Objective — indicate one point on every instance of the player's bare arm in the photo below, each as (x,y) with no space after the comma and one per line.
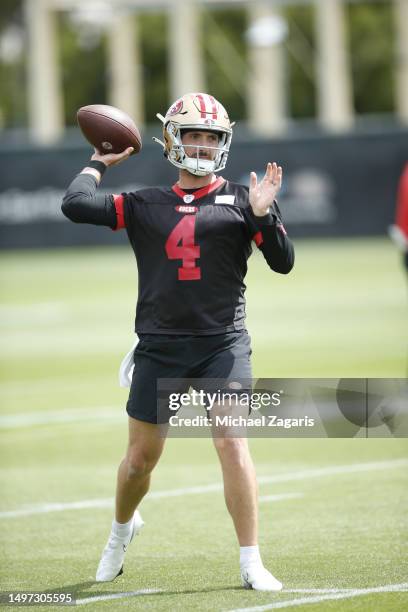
(262,194)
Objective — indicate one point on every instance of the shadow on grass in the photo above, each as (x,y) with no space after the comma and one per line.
(83,590)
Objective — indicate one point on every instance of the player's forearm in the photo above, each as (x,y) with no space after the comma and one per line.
(277,248)
(273,241)
(82,203)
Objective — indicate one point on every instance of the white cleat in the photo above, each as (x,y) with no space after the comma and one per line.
(111,563)
(258,578)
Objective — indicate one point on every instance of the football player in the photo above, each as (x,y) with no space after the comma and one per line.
(192,242)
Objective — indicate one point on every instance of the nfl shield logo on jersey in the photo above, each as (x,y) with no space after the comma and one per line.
(189,197)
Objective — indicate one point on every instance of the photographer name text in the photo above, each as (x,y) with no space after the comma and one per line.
(240,421)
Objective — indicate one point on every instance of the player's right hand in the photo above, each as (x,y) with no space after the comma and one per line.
(111,159)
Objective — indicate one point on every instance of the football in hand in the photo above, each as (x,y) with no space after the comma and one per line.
(108,129)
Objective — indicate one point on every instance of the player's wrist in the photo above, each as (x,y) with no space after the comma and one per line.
(96,164)
(96,168)
(264,219)
(261,213)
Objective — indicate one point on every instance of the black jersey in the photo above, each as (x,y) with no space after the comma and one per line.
(191,251)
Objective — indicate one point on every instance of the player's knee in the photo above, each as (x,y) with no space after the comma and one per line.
(232,449)
(139,464)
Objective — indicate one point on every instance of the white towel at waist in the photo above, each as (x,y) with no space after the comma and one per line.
(127,366)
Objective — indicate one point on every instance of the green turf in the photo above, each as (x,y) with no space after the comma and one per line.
(66,322)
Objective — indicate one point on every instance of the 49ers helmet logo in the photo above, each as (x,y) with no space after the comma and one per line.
(176,108)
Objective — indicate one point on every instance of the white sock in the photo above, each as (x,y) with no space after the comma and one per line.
(122,530)
(249,555)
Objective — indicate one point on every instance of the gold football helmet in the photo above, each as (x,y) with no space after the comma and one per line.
(196,111)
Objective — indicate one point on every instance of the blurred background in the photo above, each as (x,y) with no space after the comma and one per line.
(319,85)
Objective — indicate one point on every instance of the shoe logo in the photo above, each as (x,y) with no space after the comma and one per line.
(124,547)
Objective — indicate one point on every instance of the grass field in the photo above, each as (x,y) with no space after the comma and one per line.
(333,512)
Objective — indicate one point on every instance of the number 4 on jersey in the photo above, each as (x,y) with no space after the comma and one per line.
(180,245)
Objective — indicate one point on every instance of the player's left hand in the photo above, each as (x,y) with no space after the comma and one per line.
(262,194)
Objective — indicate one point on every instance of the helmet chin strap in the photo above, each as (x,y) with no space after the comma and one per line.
(199,167)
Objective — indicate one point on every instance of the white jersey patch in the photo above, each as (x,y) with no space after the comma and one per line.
(225,199)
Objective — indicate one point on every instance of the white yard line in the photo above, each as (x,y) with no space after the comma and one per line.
(320,595)
(285,477)
(279,497)
(58,507)
(109,501)
(315,591)
(86,600)
(20,314)
(345,594)
(99,414)
(334,469)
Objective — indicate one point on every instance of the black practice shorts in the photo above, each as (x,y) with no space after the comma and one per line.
(206,359)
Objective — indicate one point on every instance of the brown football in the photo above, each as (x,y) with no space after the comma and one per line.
(108,129)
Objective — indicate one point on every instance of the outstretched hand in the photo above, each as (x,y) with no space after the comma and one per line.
(111,159)
(262,194)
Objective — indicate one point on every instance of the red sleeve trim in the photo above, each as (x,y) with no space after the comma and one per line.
(120,214)
(257,238)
